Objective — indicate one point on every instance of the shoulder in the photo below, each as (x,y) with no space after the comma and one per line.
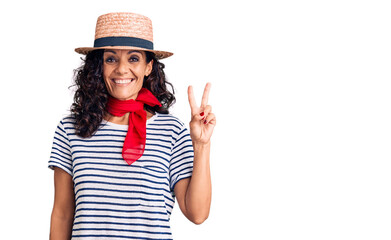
(169,122)
(66,123)
(169,119)
(68,119)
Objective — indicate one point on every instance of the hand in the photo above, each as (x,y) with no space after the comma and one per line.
(203,120)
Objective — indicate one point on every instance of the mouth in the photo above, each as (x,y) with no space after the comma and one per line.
(123,81)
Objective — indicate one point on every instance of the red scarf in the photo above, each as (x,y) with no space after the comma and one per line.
(134,144)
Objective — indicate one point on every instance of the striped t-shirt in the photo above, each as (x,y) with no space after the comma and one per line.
(115,200)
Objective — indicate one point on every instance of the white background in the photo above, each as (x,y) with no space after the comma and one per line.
(301,90)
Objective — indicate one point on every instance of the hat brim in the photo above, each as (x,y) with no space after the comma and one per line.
(158,54)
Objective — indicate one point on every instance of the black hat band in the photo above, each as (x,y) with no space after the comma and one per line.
(123,41)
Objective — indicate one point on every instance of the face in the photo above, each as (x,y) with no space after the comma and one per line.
(124,71)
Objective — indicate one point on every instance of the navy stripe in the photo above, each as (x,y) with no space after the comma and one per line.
(113,146)
(93,157)
(155,150)
(60,160)
(95,140)
(116,236)
(120,230)
(183,153)
(117,191)
(119,211)
(98,152)
(155,169)
(163,169)
(116,177)
(162,129)
(120,223)
(160,140)
(97,146)
(97,196)
(181,165)
(99,163)
(121,159)
(60,146)
(106,170)
(113,204)
(62,141)
(166,125)
(170,120)
(149,161)
(170,206)
(121,217)
(62,130)
(184,145)
(159,135)
(61,153)
(70,117)
(121,184)
(60,165)
(105,130)
(156,156)
(102,135)
(182,137)
(55,157)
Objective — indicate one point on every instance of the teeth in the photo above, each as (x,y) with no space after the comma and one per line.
(123,81)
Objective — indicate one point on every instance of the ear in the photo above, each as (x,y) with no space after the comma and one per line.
(149,68)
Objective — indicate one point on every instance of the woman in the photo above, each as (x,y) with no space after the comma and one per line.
(120,159)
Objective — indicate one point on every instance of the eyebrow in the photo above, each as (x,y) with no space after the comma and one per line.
(131,51)
(108,50)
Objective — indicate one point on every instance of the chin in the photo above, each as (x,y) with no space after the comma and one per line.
(124,96)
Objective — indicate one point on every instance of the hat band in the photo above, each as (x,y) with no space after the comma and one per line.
(123,41)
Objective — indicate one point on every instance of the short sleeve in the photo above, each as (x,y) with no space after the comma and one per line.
(61,151)
(181,164)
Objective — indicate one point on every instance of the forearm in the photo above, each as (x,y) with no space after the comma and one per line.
(60,227)
(199,192)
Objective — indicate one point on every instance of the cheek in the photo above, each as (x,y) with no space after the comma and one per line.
(106,73)
(137,71)
(105,70)
(107,81)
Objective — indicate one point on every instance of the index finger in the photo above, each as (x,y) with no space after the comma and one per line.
(192,100)
(205,96)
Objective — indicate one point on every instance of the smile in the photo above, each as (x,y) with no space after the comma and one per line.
(123,80)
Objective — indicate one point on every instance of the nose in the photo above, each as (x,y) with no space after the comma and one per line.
(123,67)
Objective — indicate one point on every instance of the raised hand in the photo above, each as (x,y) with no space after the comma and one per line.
(203,120)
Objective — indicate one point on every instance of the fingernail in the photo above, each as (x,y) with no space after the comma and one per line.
(202,114)
(205,122)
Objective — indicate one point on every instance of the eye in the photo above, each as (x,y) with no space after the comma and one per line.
(110,59)
(134,59)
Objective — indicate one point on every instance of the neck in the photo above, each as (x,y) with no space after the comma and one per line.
(123,120)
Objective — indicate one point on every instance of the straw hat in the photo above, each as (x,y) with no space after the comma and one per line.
(124,31)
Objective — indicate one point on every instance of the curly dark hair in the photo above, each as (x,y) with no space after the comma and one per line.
(91,94)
